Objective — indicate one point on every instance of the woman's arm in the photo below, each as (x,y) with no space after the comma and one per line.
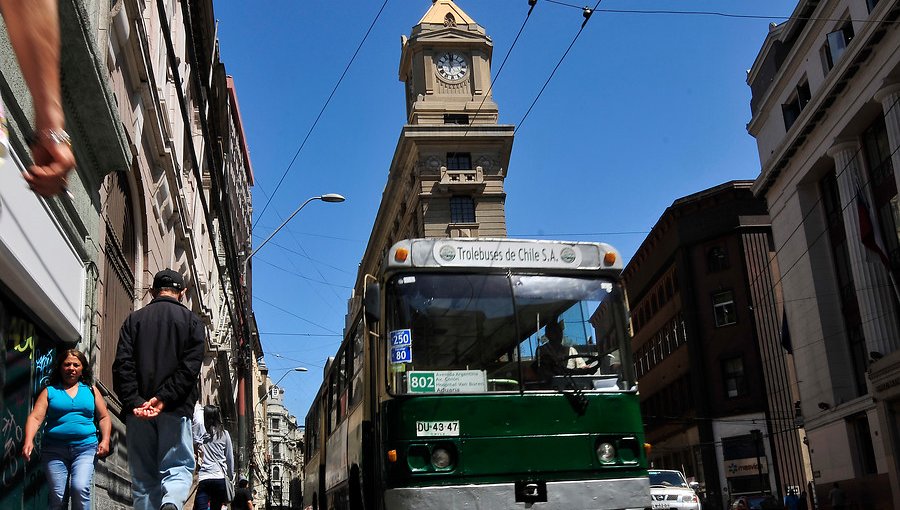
(105,423)
(34,422)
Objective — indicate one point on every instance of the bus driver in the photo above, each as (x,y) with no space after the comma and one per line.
(555,358)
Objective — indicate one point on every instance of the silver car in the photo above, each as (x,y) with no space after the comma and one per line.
(669,490)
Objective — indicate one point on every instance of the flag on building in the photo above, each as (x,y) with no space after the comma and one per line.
(785,332)
(868,233)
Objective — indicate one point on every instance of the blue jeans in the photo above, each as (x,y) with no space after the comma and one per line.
(161,460)
(210,494)
(72,464)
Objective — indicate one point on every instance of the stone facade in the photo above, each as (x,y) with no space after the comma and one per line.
(446,177)
(162,180)
(826,119)
(717,386)
(285,460)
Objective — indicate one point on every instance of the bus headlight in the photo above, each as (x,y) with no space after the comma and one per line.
(440,458)
(606,452)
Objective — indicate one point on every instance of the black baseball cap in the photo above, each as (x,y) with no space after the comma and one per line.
(168,278)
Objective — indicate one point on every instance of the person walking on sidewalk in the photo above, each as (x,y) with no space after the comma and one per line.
(216,462)
(155,374)
(69,406)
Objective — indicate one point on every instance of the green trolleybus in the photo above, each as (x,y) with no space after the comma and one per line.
(482,374)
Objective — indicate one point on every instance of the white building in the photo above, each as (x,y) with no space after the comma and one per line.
(826,116)
(285,466)
(162,180)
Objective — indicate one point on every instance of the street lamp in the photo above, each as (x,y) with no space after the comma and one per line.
(328,197)
(295,369)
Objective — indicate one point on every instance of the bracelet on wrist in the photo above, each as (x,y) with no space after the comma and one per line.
(53,136)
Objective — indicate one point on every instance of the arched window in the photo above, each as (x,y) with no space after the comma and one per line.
(120,250)
(449,20)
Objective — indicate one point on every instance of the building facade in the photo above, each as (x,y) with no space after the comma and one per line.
(826,119)
(717,387)
(285,460)
(446,176)
(162,181)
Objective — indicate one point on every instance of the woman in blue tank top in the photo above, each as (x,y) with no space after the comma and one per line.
(69,446)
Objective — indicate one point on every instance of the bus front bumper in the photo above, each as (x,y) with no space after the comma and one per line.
(615,494)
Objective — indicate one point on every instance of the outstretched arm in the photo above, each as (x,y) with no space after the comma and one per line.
(34,422)
(33,27)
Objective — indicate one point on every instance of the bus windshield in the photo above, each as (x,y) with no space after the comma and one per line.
(479,333)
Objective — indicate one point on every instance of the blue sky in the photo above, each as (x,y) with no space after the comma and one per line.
(646,108)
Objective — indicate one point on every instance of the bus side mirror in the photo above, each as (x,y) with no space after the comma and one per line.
(372,303)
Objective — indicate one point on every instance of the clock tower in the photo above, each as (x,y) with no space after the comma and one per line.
(447,174)
(446,66)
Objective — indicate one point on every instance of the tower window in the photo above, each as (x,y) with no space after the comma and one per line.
(459,161)
(462,209)
(456,118)
(449,20)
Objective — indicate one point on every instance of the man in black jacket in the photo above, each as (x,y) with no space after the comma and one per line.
(155,374)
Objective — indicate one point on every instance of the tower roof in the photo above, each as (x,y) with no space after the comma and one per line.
(439,11)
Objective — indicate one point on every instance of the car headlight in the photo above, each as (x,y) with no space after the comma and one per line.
(689,498)
(606,452)
(440,458)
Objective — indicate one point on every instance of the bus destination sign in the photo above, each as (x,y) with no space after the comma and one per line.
(447,381)
(462,253)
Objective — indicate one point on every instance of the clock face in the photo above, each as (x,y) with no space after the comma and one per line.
(452,66)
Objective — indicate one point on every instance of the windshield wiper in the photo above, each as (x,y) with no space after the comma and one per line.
(576,397)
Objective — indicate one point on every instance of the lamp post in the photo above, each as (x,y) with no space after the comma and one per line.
(295,369)
(244,392)
(328,197)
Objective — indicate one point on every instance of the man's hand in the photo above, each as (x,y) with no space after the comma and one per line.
(53,160)
(149,409)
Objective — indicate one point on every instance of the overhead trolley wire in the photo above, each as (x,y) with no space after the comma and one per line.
(304,319)
(531,4)
(586,12)
(322,111)
(720,14)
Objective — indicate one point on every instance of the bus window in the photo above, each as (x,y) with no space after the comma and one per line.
(333,397)
(356,381)
(476,333)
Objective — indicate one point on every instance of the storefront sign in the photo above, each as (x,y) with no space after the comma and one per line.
(745,467)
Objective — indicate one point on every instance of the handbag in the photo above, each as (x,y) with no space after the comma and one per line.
(229,484)
(229,489)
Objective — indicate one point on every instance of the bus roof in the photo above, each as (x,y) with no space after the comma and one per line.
(486,253)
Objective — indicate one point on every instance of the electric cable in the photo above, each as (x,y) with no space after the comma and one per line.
(304,319)
(587,16)
(532,4)
(322,110)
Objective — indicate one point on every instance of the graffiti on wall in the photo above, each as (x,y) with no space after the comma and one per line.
(28,362)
